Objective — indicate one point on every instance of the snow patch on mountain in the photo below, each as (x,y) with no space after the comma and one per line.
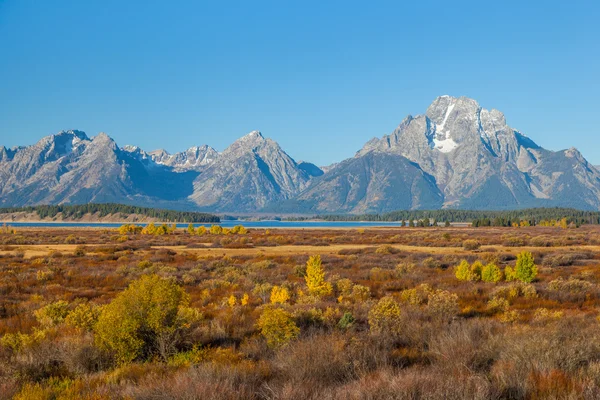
(442,140)
(445,145)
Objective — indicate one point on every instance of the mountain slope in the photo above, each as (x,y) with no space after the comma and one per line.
(476,161)
(250,174)
(372,183)
(456,155)
(71,168)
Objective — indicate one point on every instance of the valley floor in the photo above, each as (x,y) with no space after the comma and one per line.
(383,315)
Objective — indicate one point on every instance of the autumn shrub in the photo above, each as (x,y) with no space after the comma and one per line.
(543,314)
(509,316)
(385,249)
(541,241)
(263,291)
(442,304)
(279,295)
(71,239)
(471,244)
(44,275)
(360,293)
(564,259)
(380,274)
(497,304)
(277,326)
(571,285)
(514,290)
(572,289)
(18,341)
(58,356)
(80,251)
(514,241)
(416,296)
(143,320)
(344,286)
(431,262)
(405,268)
(53,313)
(384,317)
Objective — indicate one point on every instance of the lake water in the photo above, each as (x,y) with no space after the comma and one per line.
(228,224)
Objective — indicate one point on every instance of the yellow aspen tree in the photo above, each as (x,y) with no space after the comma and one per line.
(315,278)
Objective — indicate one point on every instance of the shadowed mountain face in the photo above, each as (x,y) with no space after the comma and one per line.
(456,155)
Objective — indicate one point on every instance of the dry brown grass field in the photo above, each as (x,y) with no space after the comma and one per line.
(98,314)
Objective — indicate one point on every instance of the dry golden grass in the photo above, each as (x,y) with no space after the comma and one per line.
(42,250)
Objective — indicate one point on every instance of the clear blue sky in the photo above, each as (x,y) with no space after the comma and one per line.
(320,77)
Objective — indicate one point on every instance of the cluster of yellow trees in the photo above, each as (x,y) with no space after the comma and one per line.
(216,230)
(524,271)
(561,223)
(149,229)
(276,324)
(164,229)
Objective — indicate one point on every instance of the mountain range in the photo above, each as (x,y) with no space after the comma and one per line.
(456,155)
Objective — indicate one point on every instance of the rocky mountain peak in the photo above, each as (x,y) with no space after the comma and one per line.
(254,134)
(102,139)
(75,133)
(159,154)
(247,142)
(195,158)
(3,153)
